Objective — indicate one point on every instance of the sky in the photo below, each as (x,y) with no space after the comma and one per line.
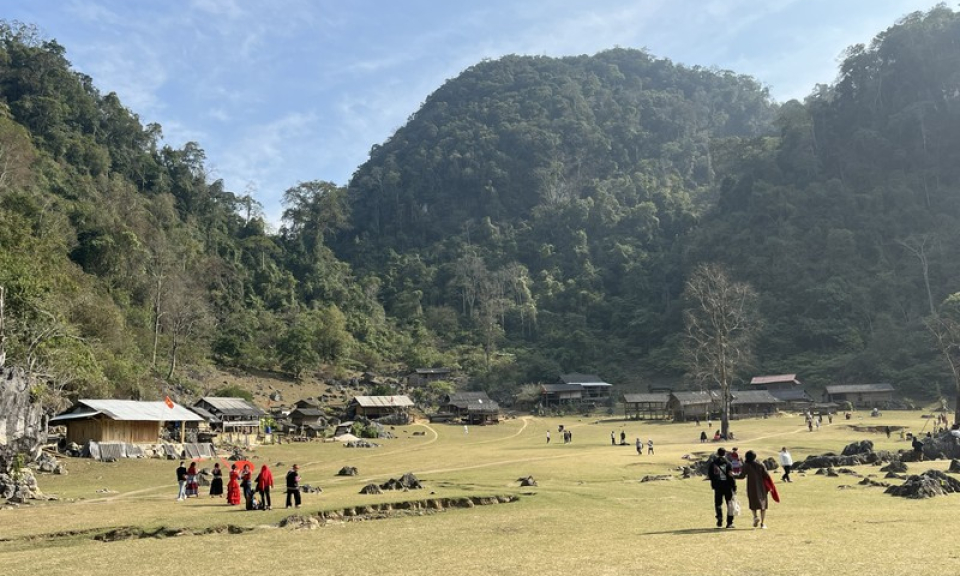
(286,91)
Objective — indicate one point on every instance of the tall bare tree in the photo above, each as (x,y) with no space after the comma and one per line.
(722,322)
(945,328)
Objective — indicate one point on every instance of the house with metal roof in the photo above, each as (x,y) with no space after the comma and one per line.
(693,404)
(128,421)
(594,388)
(860,395)
(471,407)
(557,394)
(231,415)
(643,406)
(375,407)
(753,402)
(796,399)
(775,382)
(421,376)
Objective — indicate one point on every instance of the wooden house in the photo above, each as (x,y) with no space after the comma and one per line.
(421,376)
(753,403)
(558,394)
(646,406)
(594,389)
(471,407)
(374,407)
(126,421)
(860,395)
(231,416)
(308,420)
(777,382)
(689,405)
(797,399)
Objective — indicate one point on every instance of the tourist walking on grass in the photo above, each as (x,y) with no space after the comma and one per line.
(723,484)
(181,482)
(246,484)
(703,436)
(293,486)
(613,438)
(548,436)
(233,486)
(650,447)
(736,464)
(193,487)
(758,484)
(639,447)
(264,484)
(216,485)
(786,460)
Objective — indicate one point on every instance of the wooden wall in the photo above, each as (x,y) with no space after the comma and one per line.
(104,430)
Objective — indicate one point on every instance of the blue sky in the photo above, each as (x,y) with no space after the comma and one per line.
(292,90)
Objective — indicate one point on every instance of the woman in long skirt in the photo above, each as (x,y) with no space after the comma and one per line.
(757,487)
(233,486)
(193,487)
(216,485)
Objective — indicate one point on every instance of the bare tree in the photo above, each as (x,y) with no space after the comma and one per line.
(3,337)
(187,316)
(722,322)
(919,247)
(945,328)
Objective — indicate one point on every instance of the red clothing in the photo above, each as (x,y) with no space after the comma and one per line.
(264,479)
(233,488)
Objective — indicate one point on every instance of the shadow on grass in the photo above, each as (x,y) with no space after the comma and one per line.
(685,531)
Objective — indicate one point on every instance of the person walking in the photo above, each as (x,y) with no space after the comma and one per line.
(723,483)
(639,447)
(293,486)
(548,436)
(650,447)
(703,436)
(757,480)
(264,484)
(182,482)
(786,460)
(216,485)
(736,464)
(613,438)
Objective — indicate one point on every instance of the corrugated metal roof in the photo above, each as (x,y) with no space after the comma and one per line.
(794,395)
(204,414)
(693,398)
(651,398)
(129,410)
(433,370)
(583,379)
(473,402)
(558,388)
(771,379)
(858,388)
(383,401)
(753,397)
(229,406)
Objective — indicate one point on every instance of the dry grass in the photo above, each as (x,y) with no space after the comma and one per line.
(589,515)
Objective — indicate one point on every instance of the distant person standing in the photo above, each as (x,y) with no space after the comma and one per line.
(548,436)
(917,448)
(216,485)
(723,483)
(182,482)
(233,486)
(786,460)
(703,436)
(623,438)
(293,486)
(465,430)
(613,438)
(639,447)
(887,430)
(650,447)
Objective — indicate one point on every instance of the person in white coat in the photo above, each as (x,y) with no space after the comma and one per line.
(786,460)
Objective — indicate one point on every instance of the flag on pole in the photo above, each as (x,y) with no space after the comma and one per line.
(168,402)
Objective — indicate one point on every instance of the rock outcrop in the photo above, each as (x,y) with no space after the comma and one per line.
(21,419)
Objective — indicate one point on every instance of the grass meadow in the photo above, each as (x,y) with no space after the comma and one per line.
(589,514)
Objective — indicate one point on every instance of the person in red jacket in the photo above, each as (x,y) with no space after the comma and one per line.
(264,484)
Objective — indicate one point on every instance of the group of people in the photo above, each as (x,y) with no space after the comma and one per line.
(725,469)
(640,446)
(241,485)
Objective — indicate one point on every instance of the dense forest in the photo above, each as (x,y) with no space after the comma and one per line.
(535,216)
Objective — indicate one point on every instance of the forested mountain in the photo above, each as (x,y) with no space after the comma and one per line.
(535,216)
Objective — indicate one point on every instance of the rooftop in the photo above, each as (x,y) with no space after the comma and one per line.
(129,410)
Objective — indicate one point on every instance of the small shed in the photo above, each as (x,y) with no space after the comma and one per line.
(374,407)
(128,421)
(471,407)
(421,376)
(695,404)
(753,402)
(594,388)
(775,382)
(860,395)
(557,394)
(646,406)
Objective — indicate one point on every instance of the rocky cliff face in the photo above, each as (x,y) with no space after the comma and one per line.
(21,419)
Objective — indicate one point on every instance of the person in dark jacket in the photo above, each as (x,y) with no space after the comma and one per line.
(757,477)
(723,483)
(293,486)
(182,482)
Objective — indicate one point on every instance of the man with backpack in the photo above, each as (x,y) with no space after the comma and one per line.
(724,485)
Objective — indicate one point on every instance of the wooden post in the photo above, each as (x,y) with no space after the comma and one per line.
(183,430)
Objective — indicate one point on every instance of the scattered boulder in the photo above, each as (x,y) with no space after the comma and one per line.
(406,482)
(926,485)
(869,482)
(848,472)
(771,464)
(656,477)
(371,489)
(300,522)
(347,471)
(954,467)
(861,447)
(527,481)
(308,489)
(895,466)
(895,476)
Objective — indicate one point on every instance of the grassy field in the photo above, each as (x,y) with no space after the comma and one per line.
(589,514)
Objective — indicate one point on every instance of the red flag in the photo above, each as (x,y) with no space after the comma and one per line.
(168,402)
